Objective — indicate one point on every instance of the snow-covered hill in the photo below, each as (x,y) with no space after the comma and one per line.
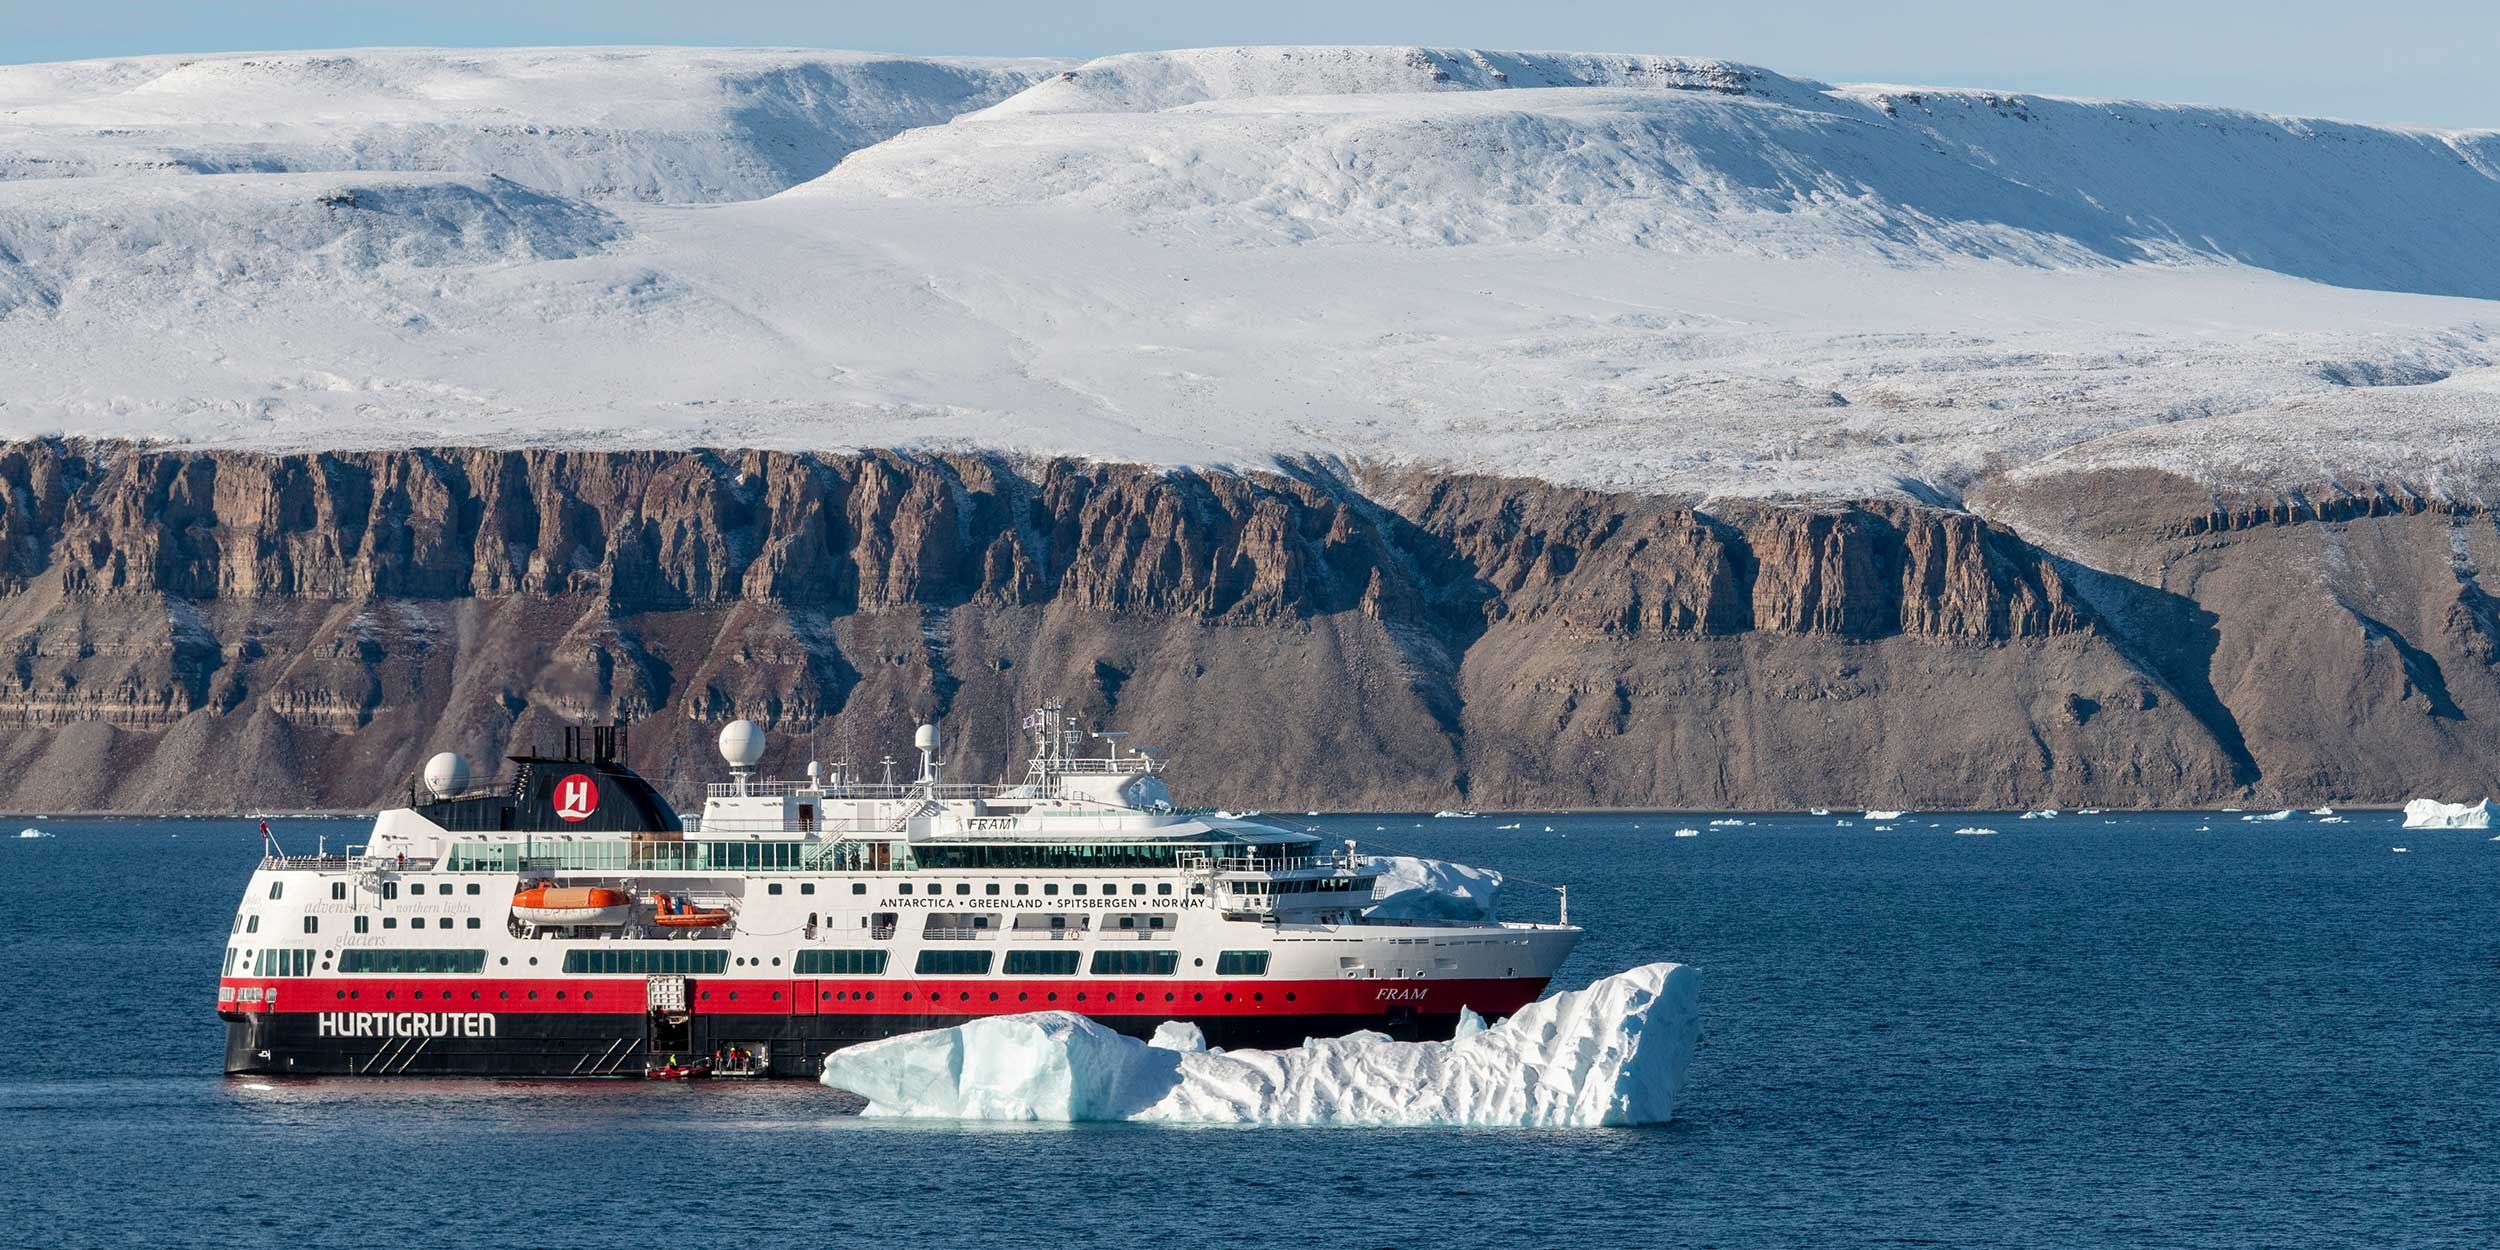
(1649,272)
(667,124)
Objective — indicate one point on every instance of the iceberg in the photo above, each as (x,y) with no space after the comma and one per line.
(1975,831)
(2321,811)
(32,833)
(2433,814)
(2045,813)
(1614,1053)
(1412,888)
(2285,814)
(1876,815)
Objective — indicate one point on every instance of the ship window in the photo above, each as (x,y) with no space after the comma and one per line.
(312,924)
(1163,887)
(416,887)
(364,924)
(473,922)
(646,961)
(774,888)
(1135,963)
(1041,963)
(859,887)
(963,887)
(238,923)
(338,889)
(953,963)
(807,887)
(390,889)
(1078,888)
(277,888)
(251,924)
(904,888)
(841,963)
(1052,887)
(473,887)
(1241,964)
(390,922)
(1138,888)
(412,961)
(1023,887)
(990,888)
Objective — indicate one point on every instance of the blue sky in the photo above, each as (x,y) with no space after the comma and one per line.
(2409,61)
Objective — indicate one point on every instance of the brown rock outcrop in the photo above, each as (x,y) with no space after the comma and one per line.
(209,630)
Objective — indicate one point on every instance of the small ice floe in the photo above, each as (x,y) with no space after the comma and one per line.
(1883,828)
(1884,815)
(32,832)
(2401,850)
(1310,813)
(2331,820)
(1975,831)
(1513,825)
(1450,814)
(1549,828)
(1614,1053)
(1688,833)
(1818,811)
(2045,813)
(2087,811)
(2433,814)
(1728,824)
(2321,811)
(1844,824)
(2285,814)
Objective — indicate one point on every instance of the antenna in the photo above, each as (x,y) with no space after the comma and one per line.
(889,769)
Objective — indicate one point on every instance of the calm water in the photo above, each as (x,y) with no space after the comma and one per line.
(2097,1031)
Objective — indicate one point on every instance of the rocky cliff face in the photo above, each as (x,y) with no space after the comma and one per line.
(220,631)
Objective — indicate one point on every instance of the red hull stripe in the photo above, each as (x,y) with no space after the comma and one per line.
(887,996)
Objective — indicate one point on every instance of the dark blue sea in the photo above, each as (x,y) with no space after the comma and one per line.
(2139,1030)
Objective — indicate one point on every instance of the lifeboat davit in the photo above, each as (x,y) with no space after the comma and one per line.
(676,913)
(548,904)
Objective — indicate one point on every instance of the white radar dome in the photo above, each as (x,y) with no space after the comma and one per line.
(742,743)
(926,739)
(447,774)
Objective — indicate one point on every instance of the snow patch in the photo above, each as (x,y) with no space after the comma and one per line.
(1614,1053)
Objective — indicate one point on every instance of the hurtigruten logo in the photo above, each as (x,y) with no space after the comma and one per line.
(407,1024)
(577,796)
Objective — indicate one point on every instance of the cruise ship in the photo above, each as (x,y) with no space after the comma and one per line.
(566,921)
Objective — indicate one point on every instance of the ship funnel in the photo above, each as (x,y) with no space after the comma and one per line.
(446,774)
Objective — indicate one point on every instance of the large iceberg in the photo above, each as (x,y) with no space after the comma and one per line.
(1613,1053)
(1411,888)
(2433,814)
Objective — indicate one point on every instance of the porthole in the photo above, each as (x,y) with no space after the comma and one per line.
(342,993)
(475,995)
(776,961)
(559,996)
(993,995)
(505,995)
(1051,997)
(1228,996)
(1167,996)
(872,996)
(585,995)
(533,996)
(355,993)
(776,996)
(1258,997)
(1198,998)
(1080,996)
(824,994)
(390,994)
(1021,996)
(706,995)
(1288,996)
(907,996)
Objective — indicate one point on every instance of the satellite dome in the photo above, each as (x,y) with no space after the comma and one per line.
(926,739)
(742,743)
(446,774)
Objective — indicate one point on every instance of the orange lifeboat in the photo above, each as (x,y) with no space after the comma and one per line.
(543,903)
(676,913)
